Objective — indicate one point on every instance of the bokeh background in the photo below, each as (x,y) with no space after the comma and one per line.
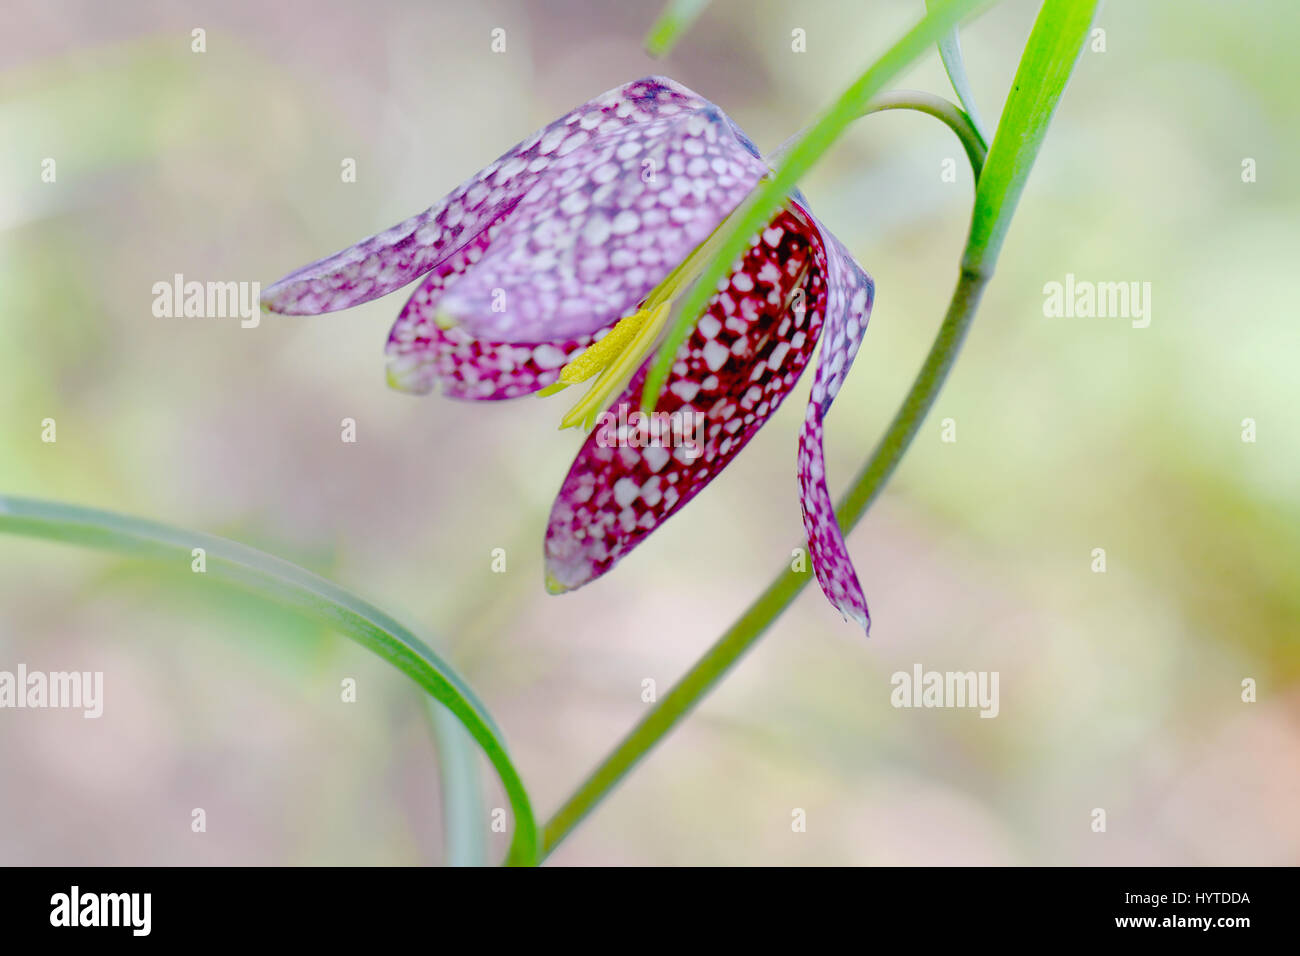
(1119,690)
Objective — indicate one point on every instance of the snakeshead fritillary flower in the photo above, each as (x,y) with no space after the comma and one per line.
(560,262)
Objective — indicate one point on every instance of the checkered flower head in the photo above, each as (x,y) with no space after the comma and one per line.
(559,264)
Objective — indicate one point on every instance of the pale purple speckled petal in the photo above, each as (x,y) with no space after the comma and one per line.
(382,263)
(617,213)
(851,295)
(422,355)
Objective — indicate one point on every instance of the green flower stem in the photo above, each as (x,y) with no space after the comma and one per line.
(956,120)
(778,595)
(1053,48)
(751,625)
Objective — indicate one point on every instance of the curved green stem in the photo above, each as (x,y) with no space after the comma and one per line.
(1053,48)
(295,588)
(947,112)
(778,595)
(787,584)
(943,110)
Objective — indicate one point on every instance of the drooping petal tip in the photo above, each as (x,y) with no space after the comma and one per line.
(848,310)
(553,584)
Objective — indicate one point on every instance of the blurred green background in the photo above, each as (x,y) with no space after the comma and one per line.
(1119,690)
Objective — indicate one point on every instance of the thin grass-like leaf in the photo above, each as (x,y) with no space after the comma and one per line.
(1053,48)
(955,65)
(676,19)
(293,587)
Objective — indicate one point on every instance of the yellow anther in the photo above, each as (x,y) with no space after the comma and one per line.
(617,367)
(598,356)
(617,356)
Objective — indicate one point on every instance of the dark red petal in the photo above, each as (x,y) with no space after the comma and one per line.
(744,356)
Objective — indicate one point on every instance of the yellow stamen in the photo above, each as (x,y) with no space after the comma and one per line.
(617,356)
(599,354)
(618,366)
